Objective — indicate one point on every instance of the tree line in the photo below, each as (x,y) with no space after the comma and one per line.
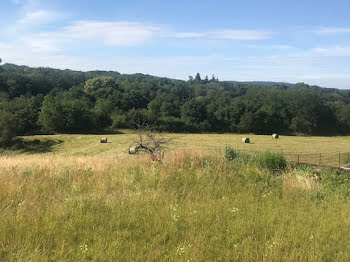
(37,100)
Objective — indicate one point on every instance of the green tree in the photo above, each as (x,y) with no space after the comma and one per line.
(343,117)
(7,128)
(138,117)
(246,123)
(195,115)
(103,84)
(302,124)
(25,113)
(51,117)
(103,111)
(65,114)
(198,78)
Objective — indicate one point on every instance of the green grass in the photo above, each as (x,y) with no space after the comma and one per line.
(118,143)
(70,198)
(304,149)
(193,206)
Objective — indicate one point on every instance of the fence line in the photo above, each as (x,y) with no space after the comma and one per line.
(319,159)
(331,159)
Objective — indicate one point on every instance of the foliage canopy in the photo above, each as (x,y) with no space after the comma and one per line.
(45,99)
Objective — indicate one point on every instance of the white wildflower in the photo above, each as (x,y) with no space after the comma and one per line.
(84,248)
(175,217)
(272,244)
(233,210)
(180,250)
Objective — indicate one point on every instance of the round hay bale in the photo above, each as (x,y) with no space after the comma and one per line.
(132,150)
(246,140)
(275,136)
(103,140)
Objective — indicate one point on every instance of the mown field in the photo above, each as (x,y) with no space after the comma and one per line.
(334,151)
(195,205)
(119,143)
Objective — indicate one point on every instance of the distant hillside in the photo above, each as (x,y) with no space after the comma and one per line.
(51,100)
(263,83)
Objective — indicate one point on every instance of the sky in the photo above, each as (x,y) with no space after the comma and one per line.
(252,40)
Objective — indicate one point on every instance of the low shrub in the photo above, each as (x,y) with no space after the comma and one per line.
(230,153)
(253,174)
(272,161)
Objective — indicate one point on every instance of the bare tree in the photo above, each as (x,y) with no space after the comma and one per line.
(149,142)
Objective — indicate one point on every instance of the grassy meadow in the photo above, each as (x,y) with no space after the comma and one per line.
(118,144)
(295,148)
(78,200)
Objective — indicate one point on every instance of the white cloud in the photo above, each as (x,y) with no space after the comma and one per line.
(92,32)
(107,33)
(332,51)
(334,80)
(27,5)
(273,47)
(227,34)
(111,33)
(331,30)
(39,17)
(23,2)
(305,67)
(324,66)
(188,35)
(126,34)
(239,34)
(22,55)
(44,43)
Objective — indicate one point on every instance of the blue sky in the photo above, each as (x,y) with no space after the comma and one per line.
(267,40)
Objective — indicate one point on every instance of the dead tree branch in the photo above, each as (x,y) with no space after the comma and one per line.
(149,142)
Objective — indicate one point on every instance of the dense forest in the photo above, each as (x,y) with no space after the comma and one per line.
(38,100)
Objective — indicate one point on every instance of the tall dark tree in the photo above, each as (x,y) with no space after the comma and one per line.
(198,78)
(7,128)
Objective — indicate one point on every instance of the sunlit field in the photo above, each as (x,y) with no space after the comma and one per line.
(328,151)
(192,206)
(74,199)
(118,144)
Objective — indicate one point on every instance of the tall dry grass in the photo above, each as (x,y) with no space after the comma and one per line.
(193,206)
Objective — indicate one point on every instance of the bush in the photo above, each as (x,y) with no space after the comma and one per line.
(272,161)
(253,174)
(64,113)
(7,129)
(119,121)
(230,153)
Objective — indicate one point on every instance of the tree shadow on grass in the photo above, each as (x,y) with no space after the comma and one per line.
(35,146)
(96,132)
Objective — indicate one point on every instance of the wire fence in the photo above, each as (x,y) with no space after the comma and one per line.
(332,159)
(320,159)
